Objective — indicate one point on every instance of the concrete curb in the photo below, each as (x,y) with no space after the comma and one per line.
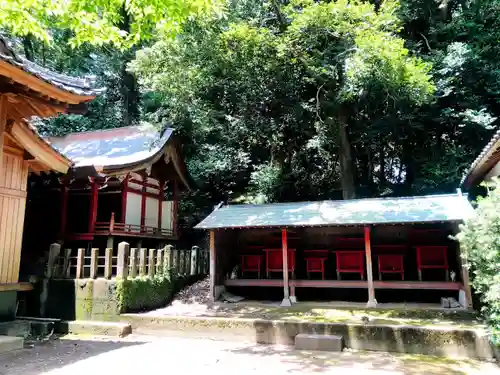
(429,340)
(9,343)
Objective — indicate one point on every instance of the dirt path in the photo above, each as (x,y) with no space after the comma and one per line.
(155,355)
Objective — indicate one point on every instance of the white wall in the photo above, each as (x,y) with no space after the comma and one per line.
(151,216)
(166,215)
(133,209)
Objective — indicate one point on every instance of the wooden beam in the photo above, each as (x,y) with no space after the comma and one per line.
(286,289)
(175,207)
(372,302)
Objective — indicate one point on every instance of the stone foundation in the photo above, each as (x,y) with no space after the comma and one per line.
(8,305)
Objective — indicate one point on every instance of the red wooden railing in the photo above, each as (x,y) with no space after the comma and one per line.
(110,227)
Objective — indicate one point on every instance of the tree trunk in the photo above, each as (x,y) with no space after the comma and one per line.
(345,157)
(28,47)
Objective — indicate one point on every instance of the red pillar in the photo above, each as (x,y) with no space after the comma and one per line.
(64,210)
(94,188)
(372,302)
(143,203)
(124,198)
(160,204)
(286,291)
(175,208)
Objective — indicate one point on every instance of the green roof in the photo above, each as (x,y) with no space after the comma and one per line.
(405,210)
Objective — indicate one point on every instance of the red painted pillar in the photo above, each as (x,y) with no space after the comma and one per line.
(372,302)
(143,203)
(124,198)
(175,208)
(64,210)
(284,250)
(160,204)
(94,188)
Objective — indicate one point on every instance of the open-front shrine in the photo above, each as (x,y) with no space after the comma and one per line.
(381,249)
(26,90)
(124,186)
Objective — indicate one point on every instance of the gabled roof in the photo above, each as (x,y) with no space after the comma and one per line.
(432,208)
(486,160)
(119,150)
(42,80)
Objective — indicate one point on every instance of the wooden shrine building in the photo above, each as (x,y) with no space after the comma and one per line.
(26,90)
(383,249)
(123,186)
(486,166)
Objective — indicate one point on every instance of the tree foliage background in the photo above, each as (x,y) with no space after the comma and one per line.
(279,100)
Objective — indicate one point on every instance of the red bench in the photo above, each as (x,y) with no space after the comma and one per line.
(390,263)
(350,262)
(432,257)
(274,261)
(251,263)
(315,262)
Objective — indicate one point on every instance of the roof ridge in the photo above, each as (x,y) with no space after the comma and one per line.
(104,131)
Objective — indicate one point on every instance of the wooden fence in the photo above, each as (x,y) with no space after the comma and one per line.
(94,263)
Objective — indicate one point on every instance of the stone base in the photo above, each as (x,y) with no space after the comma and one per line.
(82,327)
(8,305)
(330,343)
(286,302)
(8,343)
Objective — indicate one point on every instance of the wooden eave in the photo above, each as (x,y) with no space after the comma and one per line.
(33,83)
(484,165)
(42,157)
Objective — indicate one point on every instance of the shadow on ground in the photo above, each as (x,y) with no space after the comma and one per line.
(43,357)
(367,362)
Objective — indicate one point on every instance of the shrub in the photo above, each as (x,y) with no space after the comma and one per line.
(479,239)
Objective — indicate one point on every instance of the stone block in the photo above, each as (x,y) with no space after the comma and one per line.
(445,303)
(329,343)
(83,327)
(8,343)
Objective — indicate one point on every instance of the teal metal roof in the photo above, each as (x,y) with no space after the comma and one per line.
(431,208)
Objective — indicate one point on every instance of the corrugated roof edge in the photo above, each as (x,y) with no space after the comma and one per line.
(459,194)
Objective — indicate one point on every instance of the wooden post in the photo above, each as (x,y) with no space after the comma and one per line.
(133,262)
(175,261)
(151,262)
(213,265)
(67,263)
(286,290)
(122,263)
(93,205)
(54,251)
(80,261)
(467,303)
(168,258)
(64,209)
(94,262)
(159,262)
(372,302)
(124,199)
(142,262)
(108,263)
(187,262)
(194,260)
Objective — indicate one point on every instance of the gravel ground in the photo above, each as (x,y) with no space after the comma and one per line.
(157,355)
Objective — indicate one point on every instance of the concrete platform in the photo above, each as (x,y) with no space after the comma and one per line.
(87,327)
(9,343)
(327,343)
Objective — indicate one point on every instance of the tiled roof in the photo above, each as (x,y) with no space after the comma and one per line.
(432,208)
(114,147)
(482,157)
(79,86)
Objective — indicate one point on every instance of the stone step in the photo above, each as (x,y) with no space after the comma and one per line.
(329,343)
(90,327)
(9,343)
(18,328)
